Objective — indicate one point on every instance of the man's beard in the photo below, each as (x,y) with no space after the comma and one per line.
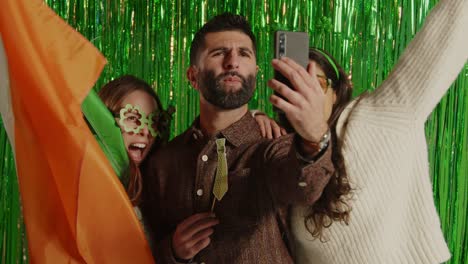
(213,90)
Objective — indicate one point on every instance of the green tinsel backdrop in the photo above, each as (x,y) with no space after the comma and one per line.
(151,39)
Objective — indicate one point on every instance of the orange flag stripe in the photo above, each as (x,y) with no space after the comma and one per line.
(75,209)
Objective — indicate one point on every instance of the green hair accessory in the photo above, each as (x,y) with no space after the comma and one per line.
(332,63)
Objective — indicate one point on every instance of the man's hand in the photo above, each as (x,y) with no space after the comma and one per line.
(193,234)
(305,101)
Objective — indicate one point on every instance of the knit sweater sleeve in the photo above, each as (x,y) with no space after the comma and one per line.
(430,63)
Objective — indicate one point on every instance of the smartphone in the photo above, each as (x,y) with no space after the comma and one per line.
(294,45)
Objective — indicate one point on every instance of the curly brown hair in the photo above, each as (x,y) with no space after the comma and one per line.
(333,204)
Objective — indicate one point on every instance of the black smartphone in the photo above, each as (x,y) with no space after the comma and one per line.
(294,45)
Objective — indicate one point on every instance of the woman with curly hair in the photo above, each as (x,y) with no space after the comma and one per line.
(380,153)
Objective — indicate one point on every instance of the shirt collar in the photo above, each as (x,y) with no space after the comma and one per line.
(243,131)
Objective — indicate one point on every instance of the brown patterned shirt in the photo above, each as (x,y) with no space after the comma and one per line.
(265,177)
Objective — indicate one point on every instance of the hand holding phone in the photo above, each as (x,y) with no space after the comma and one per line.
(301,101)
(294,45)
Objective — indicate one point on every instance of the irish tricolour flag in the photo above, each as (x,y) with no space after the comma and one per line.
(75,208)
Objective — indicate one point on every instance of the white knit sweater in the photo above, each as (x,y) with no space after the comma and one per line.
(393,217)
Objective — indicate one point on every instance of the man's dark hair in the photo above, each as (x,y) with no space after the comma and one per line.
(219,23)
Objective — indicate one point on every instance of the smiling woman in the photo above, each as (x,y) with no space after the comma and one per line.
(137,110)
(137,127)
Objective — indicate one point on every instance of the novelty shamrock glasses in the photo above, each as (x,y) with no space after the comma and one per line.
(133,119)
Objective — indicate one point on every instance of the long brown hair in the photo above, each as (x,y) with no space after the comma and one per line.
(333,204)
(112,94)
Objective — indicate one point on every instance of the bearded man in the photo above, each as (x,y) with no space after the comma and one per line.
(219,192)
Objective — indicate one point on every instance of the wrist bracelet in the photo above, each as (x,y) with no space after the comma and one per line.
(323,142)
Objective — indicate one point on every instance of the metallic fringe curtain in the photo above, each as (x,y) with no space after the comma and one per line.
(151,39)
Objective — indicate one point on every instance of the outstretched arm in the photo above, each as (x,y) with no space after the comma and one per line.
(430,63)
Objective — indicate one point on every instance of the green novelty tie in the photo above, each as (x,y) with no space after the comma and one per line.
(221,181)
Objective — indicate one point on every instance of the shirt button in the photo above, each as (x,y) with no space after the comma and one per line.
(302,184)
(199,192)
(204,157)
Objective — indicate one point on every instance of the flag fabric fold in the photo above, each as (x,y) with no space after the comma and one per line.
(75,208)
(107,133)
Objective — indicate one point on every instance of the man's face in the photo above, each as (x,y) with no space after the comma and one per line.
(226,69)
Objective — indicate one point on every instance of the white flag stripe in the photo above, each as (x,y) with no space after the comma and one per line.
(6,109)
